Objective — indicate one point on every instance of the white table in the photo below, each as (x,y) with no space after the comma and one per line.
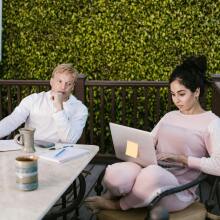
(53,180)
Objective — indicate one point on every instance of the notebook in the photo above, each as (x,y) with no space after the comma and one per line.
(132,144)
(63,154)
(9,145)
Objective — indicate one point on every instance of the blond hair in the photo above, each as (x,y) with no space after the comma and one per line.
(66,67)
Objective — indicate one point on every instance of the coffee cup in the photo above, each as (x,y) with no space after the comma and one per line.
(26,139)
(26,172)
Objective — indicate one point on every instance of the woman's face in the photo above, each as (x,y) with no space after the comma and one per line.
(183,98)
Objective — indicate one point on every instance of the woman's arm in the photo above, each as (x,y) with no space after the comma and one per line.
(209,165)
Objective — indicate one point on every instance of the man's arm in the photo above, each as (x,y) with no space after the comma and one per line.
(71,127)
(15,119)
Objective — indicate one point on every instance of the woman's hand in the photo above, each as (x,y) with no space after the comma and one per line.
(173,157)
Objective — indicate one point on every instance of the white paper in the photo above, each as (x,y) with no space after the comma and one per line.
(9,145)
(66,155)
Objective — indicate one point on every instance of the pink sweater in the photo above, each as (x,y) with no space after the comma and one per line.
(196,136)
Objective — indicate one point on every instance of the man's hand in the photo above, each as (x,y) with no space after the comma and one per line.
(57,98)
(173,157)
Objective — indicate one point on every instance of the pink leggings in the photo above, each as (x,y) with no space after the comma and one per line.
(137,186)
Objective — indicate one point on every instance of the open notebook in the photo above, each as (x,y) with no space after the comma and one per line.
(64,154)
(9,145)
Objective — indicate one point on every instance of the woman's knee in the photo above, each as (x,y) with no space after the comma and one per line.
(157,176)
(121,176)
(149,174)
(151,181)
(119,173)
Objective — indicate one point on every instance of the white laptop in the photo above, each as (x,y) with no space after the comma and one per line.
(134,145)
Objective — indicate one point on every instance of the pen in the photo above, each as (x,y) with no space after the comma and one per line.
(54,148)
(60,152)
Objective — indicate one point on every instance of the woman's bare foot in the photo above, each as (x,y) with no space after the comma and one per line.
(98,202)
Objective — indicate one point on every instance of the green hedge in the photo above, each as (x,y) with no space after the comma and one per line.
(118,39)
(107,39)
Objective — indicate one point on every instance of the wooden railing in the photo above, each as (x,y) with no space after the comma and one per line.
(133,103)
(137,104)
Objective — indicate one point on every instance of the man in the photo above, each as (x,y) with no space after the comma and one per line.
(56,115)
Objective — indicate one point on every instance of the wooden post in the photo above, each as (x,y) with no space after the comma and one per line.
(79,92)
(216,94)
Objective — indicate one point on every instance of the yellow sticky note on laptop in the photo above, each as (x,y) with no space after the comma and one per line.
(132,149)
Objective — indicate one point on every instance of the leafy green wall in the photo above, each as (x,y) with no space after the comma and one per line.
(120,39)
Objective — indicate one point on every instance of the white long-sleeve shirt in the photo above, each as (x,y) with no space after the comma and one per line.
(37,111)
(196,136)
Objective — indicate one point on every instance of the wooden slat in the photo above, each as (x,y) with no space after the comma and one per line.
(18,88)
(1,114)
(134,109)
(157,104)
(107,83)
(9,99)
(102,121)
(113,104)
(123,105)
(91,120)
(216,97)
(146,124)
(169,101)
(24,82)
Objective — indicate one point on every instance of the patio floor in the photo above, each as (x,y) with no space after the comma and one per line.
(91,177)
(95,170)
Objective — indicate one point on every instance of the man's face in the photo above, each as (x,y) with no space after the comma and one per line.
(63,83)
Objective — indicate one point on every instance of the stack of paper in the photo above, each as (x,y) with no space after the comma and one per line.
(64,154)
(9,145)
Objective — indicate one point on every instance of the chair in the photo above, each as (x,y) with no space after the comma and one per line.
(196,211)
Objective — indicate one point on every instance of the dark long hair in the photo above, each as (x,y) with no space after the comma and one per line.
(191,73)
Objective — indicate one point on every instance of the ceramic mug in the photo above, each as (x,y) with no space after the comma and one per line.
(26,139)
(26,172)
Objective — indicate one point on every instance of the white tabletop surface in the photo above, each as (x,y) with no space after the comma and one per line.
(53,180)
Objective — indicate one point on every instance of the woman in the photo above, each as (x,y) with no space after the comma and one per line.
(188,137)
